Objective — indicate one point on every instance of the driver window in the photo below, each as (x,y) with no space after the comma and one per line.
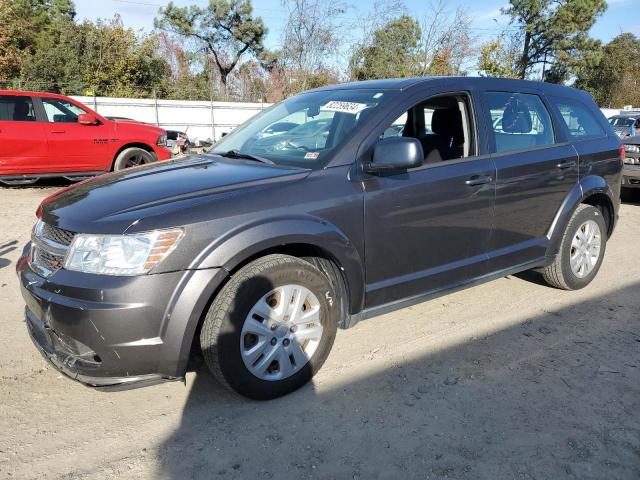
(442,125)
(61,111)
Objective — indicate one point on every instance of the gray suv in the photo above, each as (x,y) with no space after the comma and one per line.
(256,253)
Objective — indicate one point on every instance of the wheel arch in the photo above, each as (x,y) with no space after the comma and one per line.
(142,145)
(591,190)
(210,272)
(296,236)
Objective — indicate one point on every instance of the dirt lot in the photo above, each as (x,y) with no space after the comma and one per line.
(511,379)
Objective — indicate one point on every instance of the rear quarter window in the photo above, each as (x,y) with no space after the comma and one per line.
(579,119)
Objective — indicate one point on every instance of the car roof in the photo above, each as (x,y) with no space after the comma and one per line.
(31,94)
(480,82)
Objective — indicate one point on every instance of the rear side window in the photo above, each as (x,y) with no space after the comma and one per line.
(519,121)
(16,109)
(580,121)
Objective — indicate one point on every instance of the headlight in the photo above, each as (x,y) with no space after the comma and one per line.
(133,254)
(631,148)
(162,140)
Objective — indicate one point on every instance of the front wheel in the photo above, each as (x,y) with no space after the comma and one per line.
(132,157)
(271,327)
(581,250)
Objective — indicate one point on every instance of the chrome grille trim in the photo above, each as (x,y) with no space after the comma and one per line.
(49,246)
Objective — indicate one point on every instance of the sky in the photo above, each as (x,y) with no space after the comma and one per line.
(621,16)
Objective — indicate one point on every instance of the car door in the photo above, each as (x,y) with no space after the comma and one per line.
(74,147)
(536,168)
(23,143)
(428,227)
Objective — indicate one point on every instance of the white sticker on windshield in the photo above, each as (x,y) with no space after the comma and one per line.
(343,107)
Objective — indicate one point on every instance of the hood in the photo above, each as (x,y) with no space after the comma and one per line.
(110,203)
(137,127)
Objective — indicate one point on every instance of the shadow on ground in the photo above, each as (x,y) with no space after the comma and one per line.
(548,398)
(5,248)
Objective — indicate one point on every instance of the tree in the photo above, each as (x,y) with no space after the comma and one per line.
(392,53)
(27,26)
(499,58)
(615,79)
(311,39)
(224,29)
(445,44)
(554,31)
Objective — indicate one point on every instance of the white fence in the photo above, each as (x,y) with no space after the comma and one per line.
(200,120)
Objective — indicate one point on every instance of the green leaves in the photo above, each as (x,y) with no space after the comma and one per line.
(556,32)
(614,78)
(393,51)
(224,29)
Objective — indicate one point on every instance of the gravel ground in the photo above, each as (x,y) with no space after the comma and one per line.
(511,379)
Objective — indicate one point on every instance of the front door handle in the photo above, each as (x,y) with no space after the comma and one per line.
(478,180)
(58,131)
(566,164)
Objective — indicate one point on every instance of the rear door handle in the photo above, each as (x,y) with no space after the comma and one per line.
(478,180)
(565,165)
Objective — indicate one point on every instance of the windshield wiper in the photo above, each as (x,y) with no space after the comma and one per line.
(247,156)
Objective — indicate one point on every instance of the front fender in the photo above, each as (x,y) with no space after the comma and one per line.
(586,187)
(234,247)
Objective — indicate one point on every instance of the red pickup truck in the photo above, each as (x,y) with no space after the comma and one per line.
(49,135)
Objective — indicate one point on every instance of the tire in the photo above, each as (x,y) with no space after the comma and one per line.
(560,273)
(132,157)
(227,340)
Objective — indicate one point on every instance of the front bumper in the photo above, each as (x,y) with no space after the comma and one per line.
(162,153)
(631,170)
(631,176)
(103,331)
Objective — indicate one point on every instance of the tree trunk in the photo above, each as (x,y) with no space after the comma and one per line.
(524,59)
(223,78)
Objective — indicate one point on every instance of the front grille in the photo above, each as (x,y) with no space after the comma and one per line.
(49,247)
(47,260)
(58,235)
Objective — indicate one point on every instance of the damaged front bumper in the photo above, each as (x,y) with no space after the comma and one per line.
(105,332)
(70,364)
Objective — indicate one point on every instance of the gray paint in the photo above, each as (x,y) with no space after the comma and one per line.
(398,237)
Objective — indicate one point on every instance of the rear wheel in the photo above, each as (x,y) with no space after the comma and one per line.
(271,327)
(132,157)
(581,250)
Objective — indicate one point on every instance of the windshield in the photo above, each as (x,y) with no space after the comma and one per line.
(621,121)
(304,130)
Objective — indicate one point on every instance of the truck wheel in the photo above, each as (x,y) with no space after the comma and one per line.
(271,327)
(132,157)
(581,250)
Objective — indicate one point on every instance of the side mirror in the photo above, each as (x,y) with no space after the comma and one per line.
(87,119)
(395,154)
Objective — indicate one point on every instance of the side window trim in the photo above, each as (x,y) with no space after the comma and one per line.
(38,107)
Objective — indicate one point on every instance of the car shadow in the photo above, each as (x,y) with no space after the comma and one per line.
(547,397)
(6,248)
(53,182)
(532,276)
(631,196)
